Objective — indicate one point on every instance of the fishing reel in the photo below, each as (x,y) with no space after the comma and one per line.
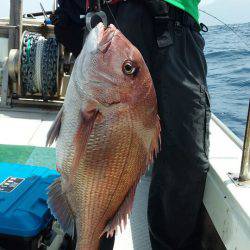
(37,69)
(39,58)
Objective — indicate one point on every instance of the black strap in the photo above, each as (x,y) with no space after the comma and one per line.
(92,4)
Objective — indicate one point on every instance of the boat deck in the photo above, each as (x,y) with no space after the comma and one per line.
(22,140)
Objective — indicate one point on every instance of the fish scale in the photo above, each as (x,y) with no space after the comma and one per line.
(90,176)
(107,134)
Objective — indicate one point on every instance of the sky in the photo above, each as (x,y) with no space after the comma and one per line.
(229,11)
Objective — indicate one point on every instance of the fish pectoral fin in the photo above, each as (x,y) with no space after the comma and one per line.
(60,207)
(122,214)
(55,129)
(89,116)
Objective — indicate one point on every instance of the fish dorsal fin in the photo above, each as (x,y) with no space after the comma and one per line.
(155,143)
(87,121)
(122,214)
(55,129)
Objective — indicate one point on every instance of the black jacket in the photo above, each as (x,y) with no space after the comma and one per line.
(73,9)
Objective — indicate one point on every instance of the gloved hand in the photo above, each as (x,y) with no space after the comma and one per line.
(54,18)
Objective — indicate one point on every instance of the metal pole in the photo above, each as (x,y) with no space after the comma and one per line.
(5,84)
(16,11)
(245,164)
(54,6)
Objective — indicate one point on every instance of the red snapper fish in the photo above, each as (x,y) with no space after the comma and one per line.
(107,134)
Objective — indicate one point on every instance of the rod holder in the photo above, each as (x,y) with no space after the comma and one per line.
(245,163)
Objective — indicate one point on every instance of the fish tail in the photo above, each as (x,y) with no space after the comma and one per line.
(60,207)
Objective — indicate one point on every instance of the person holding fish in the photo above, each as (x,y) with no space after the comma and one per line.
(108,128)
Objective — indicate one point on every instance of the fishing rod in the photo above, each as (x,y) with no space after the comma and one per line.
(230,28)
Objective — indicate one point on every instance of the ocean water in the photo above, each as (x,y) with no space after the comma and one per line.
(228,60)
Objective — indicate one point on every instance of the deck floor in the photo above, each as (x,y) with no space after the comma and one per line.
(25,126)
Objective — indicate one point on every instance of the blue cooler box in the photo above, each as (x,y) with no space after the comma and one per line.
(25,220)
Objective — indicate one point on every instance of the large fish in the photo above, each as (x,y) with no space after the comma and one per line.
(107,134)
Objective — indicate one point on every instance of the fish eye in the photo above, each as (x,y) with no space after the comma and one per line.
(129,68)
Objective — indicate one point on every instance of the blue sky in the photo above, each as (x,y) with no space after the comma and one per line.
(230,11)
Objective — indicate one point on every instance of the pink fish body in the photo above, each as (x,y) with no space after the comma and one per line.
(107,134)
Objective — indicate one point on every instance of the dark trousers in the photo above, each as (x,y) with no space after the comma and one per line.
(174,55)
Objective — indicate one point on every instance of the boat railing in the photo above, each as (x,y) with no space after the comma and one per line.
(245,163)
(243,178)
(228,132)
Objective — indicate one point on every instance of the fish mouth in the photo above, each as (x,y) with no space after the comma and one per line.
(105,36)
